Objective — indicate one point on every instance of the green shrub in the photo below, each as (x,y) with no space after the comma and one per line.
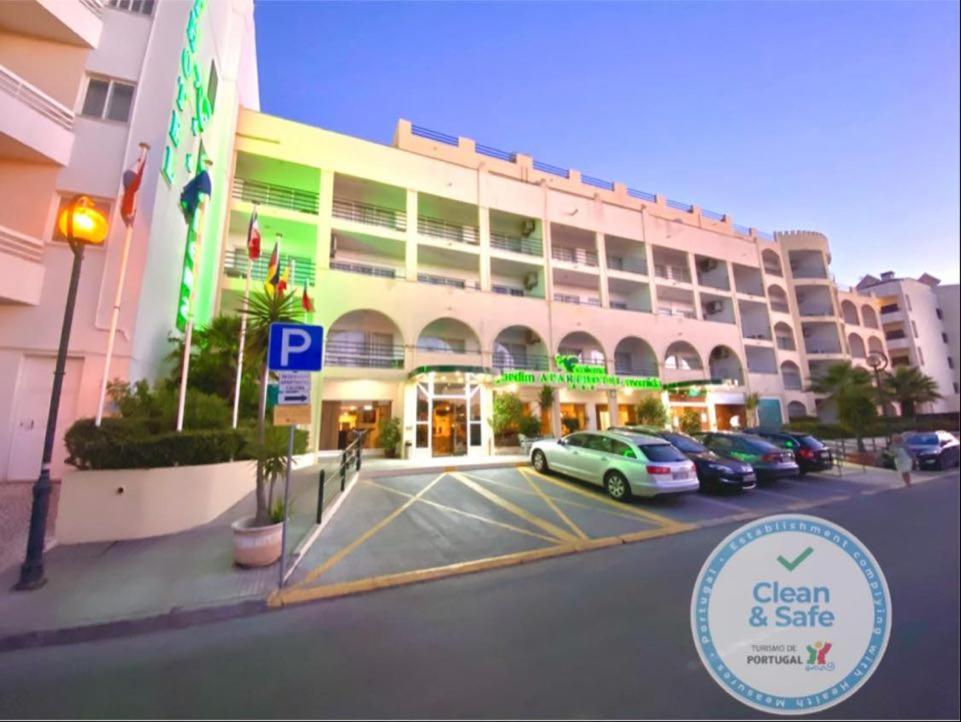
(690,421)
(570,424)
(651,412)
(389,433)
(529,426)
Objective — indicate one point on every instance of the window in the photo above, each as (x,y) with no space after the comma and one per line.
(944,337)
(956,388)
(950,362)
(110,99)
(939,313)
(212,82)
(141,7)
(907,301)
(101,204)
(914,329)
(920,356)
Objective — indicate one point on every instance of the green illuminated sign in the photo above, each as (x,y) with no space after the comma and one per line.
(578,377)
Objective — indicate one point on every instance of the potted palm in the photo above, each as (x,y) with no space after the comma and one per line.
(388,437)
(257,538)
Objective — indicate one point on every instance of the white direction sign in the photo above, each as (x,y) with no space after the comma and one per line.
(293,389)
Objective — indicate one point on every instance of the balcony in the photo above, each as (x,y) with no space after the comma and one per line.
(444,230)
(304,270)
(33,126)
(369,215)
(791,381)
(506,361)
(276,196)
(672,273)
(786,343)
(780,307)
(434,279)
(21,277)
(365,269)
(636,266)
(517,244)
(625,367)
(363,354)
(578,300)
(580,256)
(813,311)
(72,22)
(677,312)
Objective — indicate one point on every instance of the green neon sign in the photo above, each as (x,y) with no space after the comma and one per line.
(577,376)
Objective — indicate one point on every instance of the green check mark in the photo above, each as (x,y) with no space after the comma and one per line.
(792,565)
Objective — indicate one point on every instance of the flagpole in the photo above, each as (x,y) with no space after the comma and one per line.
(197,222)
(243,340)
(117,299)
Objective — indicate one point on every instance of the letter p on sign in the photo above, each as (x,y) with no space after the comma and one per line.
(295,347)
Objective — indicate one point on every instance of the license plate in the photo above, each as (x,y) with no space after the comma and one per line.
(750,477)
(681,475)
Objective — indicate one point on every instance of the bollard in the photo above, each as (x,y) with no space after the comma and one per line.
(320,496)
(343,470)
(360,449)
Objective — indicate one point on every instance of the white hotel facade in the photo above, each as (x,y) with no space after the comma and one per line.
(440,267)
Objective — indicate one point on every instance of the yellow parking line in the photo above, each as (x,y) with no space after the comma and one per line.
(574,528)
(643,513)
(461,512)
(336,558)
(513,508)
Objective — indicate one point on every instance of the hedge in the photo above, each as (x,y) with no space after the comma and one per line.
(127,444)
(824,430)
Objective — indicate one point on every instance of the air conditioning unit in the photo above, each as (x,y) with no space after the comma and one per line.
(530,281)
(529,227)
(706,264)
(713,307)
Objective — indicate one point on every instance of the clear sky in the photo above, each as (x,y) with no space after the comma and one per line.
(836,117)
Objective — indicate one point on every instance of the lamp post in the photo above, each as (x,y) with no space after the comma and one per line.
(82,224)
(878,361)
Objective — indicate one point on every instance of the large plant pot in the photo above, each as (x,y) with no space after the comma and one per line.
(256,546)
(390,452)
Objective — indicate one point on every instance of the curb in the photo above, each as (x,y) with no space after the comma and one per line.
(176,618)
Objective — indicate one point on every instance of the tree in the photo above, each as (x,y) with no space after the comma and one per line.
(651,412)
(508,411)
(689,421)
(851,390)
(910,387)
(751,402)
(545,399)
(263,310)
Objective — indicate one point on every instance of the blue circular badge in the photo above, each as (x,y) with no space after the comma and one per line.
(791,614)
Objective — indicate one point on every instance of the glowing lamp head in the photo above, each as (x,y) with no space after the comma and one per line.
(89,224)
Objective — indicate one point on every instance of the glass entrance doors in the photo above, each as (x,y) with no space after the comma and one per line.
(448,414)
(449,436)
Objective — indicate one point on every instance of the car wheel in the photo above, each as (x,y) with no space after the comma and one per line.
(539,461)
(617,487)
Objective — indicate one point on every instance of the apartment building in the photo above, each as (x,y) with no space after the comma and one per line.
(920,318)
(83,83)
(446,270)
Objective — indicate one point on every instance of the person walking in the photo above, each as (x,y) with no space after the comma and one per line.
(903,461)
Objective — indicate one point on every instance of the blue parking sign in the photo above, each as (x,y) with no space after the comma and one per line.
(295,347)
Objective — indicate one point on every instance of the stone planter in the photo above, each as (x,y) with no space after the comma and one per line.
(256,546)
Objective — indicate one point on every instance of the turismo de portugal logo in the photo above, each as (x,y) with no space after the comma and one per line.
(791,614)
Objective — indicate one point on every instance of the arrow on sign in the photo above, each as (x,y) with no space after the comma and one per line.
(294,399)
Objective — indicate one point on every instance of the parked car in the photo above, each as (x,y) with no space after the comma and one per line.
(769,462)
(809,453)
(929,449)
(715,473)
(625,464)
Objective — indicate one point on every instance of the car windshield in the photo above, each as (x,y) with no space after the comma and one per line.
(810,442)
(662,452)
(923,440)
(686,443)
(756,445)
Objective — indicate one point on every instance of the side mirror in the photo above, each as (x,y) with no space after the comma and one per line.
(562,442)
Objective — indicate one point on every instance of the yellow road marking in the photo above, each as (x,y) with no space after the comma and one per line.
(513,508)
(451,509)
(574,528)
(337,557)
(560,500)
(662,520)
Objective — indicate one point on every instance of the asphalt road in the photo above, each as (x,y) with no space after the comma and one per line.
(601,634)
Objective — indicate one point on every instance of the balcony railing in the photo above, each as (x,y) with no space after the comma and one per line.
(890,308)
(773,270)
(457,347)
(672,273)
(438,228)
(677,312)
(364,269)
(579,300)
(786,343)
(364,354)
(29,95)
(792,382)
(435,280)
(635,369)
(822,351)
(517,244)
(94,6)
(235,266)
(817,311)
(525,362)
(370,215)
(574,255)
(20,245)
(627,264)
(818,273)
(508,290)
(276,196)
(780,306)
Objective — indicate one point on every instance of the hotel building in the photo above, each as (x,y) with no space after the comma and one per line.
(920,318)
(444,271)
(83,83)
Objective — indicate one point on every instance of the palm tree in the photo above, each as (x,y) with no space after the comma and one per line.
(851,389)
(910,387)
(263,310)
(751,402)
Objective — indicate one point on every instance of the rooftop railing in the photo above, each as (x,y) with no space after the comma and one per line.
(597,182)
(552,169)
(370,214)
(642,195)
(680,206)
(714,216)
(276,196)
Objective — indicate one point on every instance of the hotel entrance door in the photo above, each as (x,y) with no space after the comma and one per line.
(449,437)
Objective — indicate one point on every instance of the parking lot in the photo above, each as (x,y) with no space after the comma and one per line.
(401,528)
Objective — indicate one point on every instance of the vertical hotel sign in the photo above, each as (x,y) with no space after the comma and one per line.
(191,108)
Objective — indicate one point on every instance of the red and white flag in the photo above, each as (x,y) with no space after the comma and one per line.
(131,184)
(253,237)
(306,302)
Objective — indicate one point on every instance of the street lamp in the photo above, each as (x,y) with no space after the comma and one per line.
(83,225)
(878,361)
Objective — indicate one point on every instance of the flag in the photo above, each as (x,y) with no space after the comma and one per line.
(191,196)
(131,184)
(306,302)
(285,277)
(253,237)
(273,270)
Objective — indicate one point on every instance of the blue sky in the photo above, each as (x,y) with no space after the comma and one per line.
(837,117)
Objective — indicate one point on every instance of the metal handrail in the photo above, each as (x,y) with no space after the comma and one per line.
(33,97)
(517,244)
(439,228)
(276,196)
(370,214)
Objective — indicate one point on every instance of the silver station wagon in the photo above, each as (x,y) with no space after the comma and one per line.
(625,464)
